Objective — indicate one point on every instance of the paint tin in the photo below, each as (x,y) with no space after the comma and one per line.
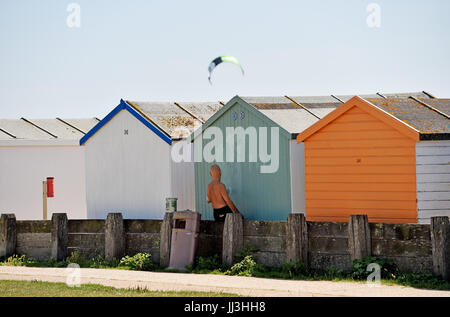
(171,204)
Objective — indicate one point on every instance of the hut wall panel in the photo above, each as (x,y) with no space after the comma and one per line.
(297,152)
(433,179)
(183,181)
(127,170)
(360,165)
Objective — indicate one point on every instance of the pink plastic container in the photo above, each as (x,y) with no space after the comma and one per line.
(186,226)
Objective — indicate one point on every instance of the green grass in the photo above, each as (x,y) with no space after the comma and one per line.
(422,281)
(47,289)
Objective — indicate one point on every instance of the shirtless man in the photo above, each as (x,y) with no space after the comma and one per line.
(218,196)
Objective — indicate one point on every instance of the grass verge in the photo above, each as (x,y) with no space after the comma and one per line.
(47,289)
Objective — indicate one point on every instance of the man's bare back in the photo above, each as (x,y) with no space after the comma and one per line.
(217,194)
(215,190)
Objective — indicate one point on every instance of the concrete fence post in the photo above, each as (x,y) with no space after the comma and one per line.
(114,237)
(166,240)
(233,238)
(60,236)
(440,246)
(8,235)
(297,239)
(359,241)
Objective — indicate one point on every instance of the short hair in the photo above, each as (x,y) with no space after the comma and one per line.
(215,167)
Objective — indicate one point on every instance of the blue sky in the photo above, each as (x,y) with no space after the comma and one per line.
(160,50)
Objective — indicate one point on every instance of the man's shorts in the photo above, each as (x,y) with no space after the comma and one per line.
(220,213)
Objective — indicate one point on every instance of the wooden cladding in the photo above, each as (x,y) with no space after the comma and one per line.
(358,164)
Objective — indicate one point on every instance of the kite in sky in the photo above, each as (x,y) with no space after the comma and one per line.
(221,59)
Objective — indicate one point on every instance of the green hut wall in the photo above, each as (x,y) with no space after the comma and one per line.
(258,196)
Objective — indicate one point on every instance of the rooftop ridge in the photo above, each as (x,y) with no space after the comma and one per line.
(302,106)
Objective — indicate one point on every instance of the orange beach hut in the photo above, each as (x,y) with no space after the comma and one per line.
(387,158)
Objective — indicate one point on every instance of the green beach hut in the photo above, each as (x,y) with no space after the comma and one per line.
(268,182)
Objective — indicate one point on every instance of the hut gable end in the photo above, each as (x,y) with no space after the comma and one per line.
(369,110)
(235,106)
(125,106)
(357,124)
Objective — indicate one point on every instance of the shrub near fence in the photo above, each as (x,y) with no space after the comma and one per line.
(320,245)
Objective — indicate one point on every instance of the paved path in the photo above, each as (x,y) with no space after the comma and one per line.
(246,286)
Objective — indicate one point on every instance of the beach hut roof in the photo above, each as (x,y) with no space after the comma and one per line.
(45,129)
(176,119)
(419,118)
(169,120)
(427,116)
(296,113)
(401,95)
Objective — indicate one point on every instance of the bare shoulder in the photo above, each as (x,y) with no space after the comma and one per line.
(222,186)
(215,184)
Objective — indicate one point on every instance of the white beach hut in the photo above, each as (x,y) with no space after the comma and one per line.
(32,150)
(129,166)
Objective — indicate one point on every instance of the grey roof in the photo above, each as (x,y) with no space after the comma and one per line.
(419,94)
(294,114)
(402,95)
(345,98)
(57,128)
(321,111)
(81,124)
(23,130)
(314,99)
(291,102)
(45,129)
(5,136)
(442,105)
(202,110)
(415,114)
(328,99)
(297,113)
(178,120)
(266,100)
(274,103)
(292,120)
(284,112)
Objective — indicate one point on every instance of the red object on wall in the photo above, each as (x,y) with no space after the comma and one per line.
(50,187)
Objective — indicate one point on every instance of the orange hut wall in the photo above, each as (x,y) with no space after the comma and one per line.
(358,164)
